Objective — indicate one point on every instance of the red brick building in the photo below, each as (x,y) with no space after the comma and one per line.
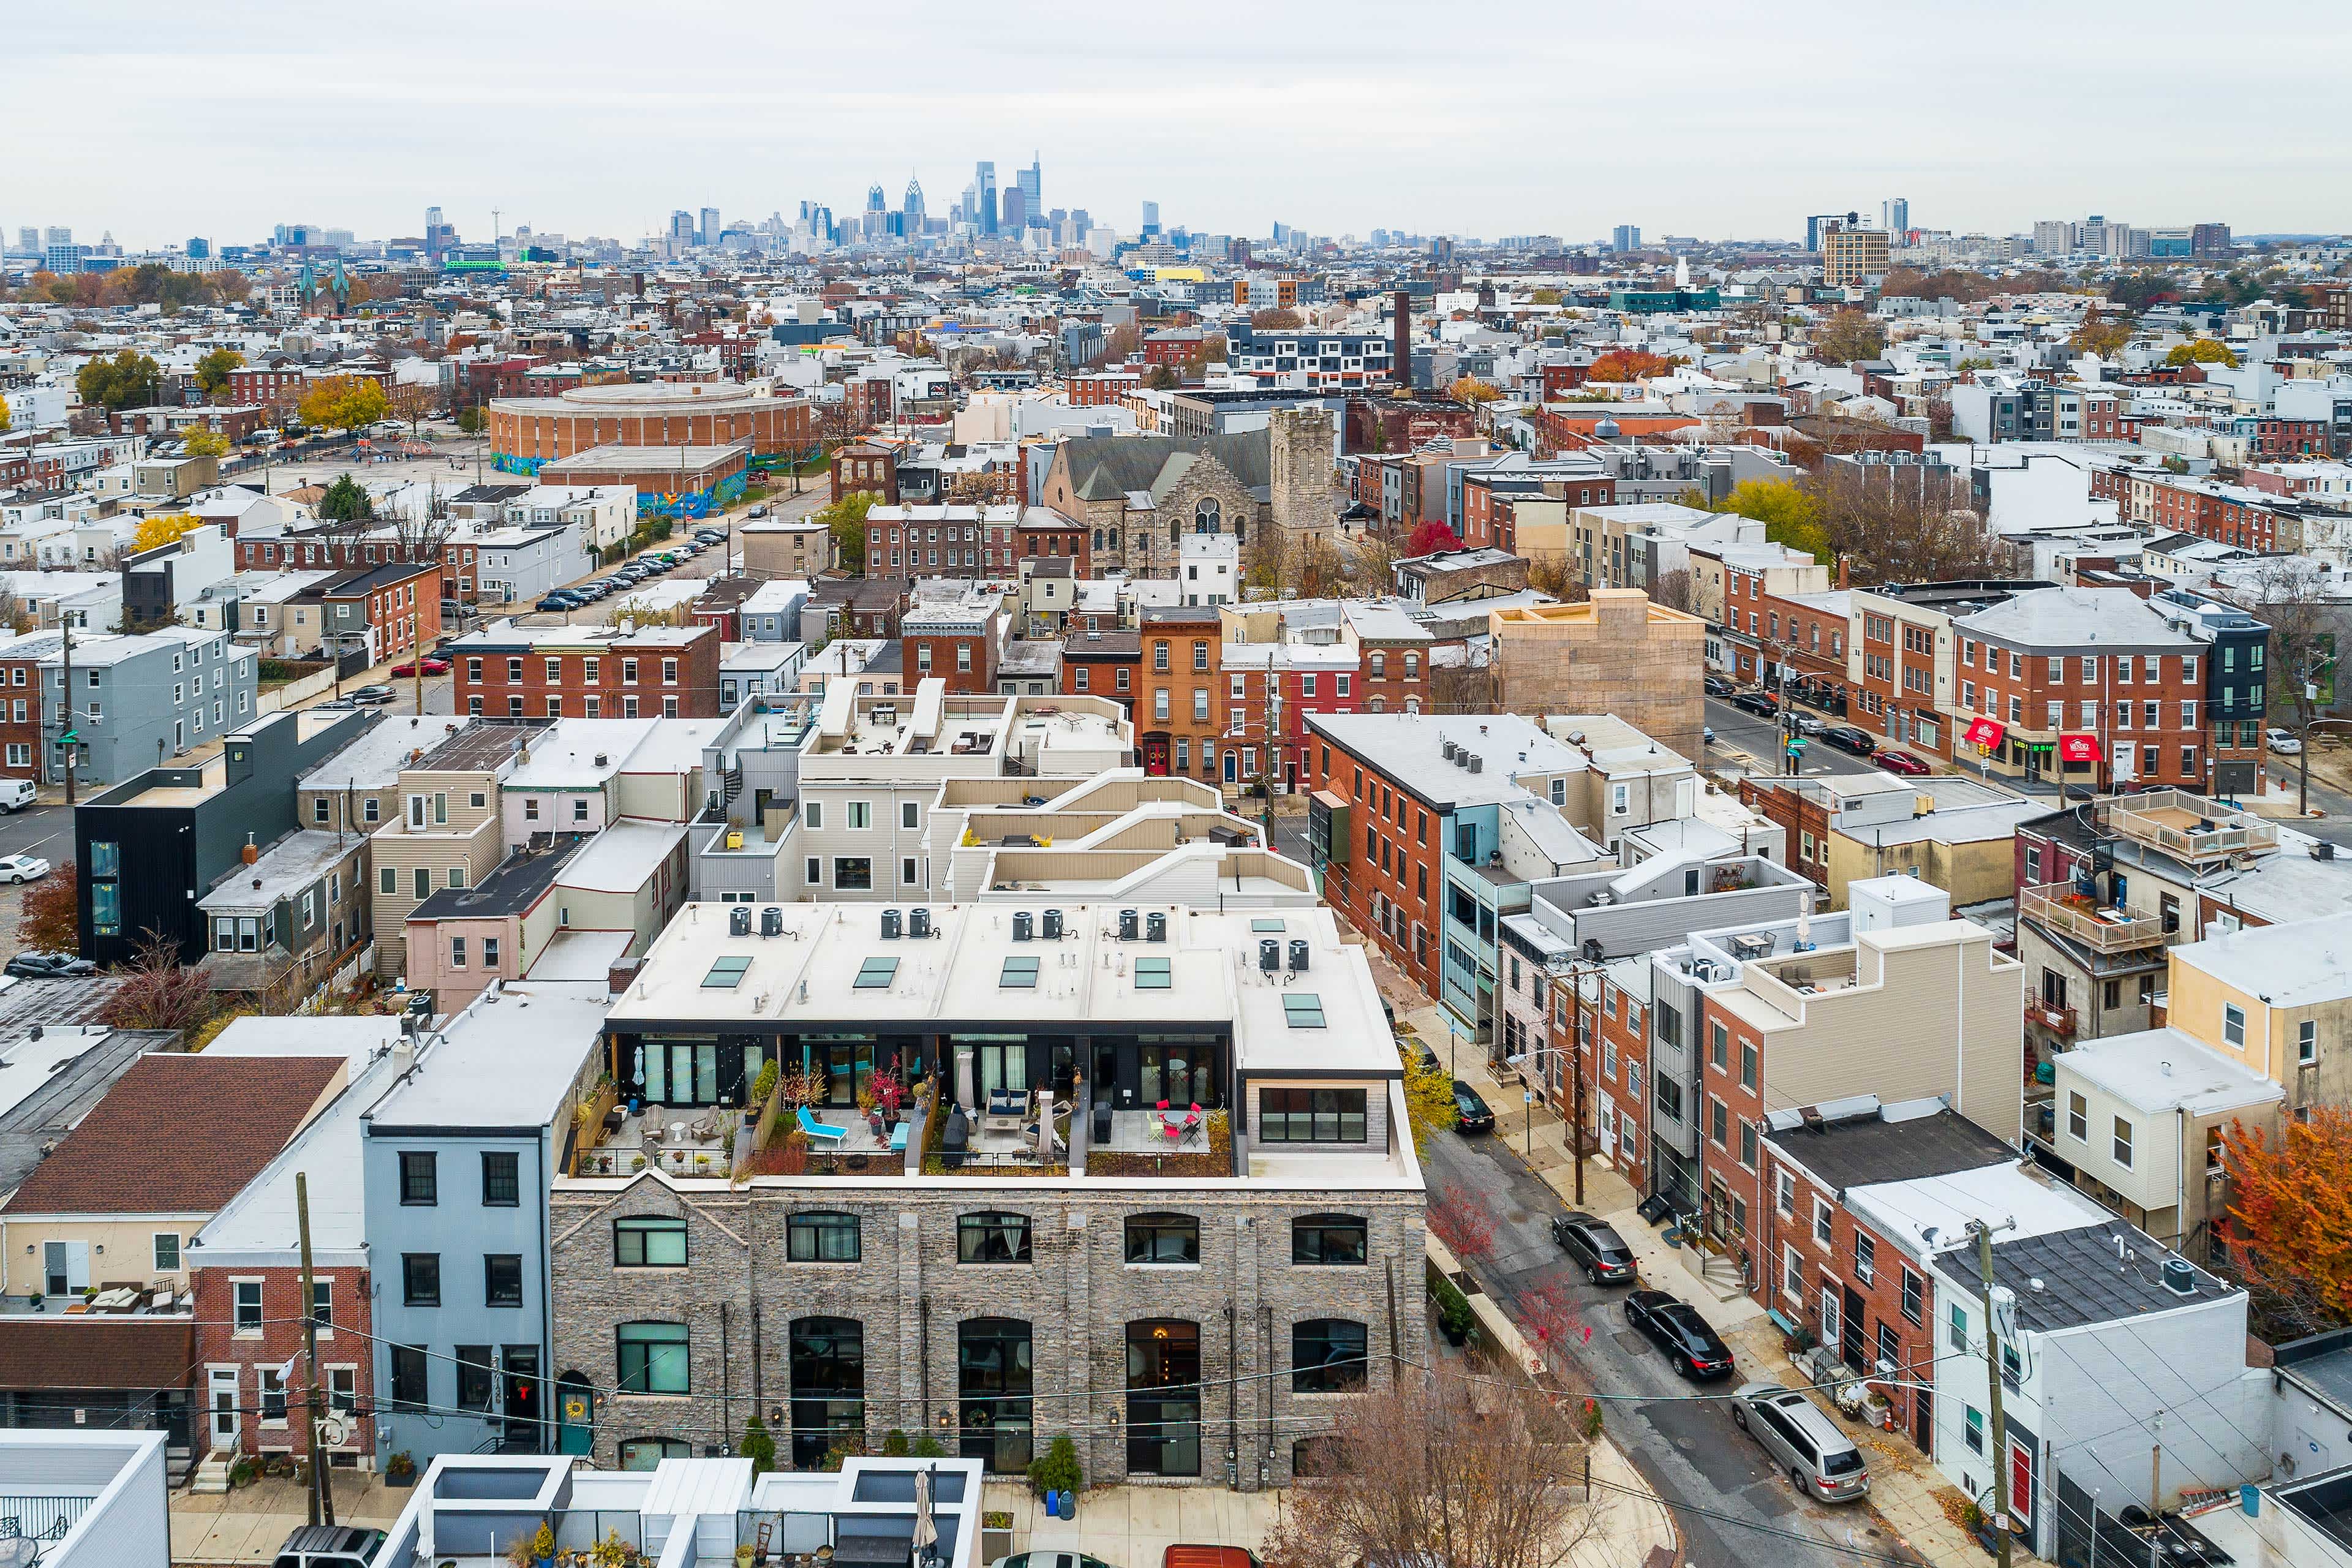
(866,465)
(1103,664)
(1098,388)
(20,702)
(396,607)
(588,672)
(961,642)
(1391,879)
(250,1328)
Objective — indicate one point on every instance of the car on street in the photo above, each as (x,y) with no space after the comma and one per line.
(330,1546)
(1820,1460)
(562,601)
(1470,1111)
(1049,1560)
(22,868)
(16,795)
(1596,1247)
(1675,1328)
(432,666)
(49,966)
(1429,1062)
(759,510)
(2283,742)
(1812,724)
(1846,738)
(1707,734)
(1717,685)
(374,696)
(710,535)
(1902,762)
(1763,704)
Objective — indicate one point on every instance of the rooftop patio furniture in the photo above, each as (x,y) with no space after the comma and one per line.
(819,1129)
(898,1137)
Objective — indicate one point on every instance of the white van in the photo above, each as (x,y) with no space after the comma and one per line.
(16,795)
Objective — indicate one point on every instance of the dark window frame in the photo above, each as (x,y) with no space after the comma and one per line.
(1321,1226)
(1334,1369)
(983,1230)
(420,1179)
(412,1293)
(642,1225)
(807,1233)
(1162,1230)
(503,1189)
(502,1279)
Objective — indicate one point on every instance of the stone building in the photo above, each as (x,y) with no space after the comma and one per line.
(1618,654)
(1191,1306)
(1138,496)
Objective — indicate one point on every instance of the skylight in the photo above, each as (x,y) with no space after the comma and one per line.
(1018,975)
(876,974)
(1152,974)
(726,973)
(1266,925)
(1302,1009)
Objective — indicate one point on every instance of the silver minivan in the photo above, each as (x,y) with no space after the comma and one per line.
(1821,1460)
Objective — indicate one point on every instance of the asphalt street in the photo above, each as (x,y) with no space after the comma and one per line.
(44,830)
(1685,1447)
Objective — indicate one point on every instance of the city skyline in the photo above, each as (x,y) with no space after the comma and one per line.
(399,121)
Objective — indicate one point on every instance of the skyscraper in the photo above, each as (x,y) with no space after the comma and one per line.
(1015,214)
(1894,216)
(681,224)
(984,188)
(28,238)
(709,226)
(1150,220)
(913,207)
(59,236)
(1625,236)
(1031,182)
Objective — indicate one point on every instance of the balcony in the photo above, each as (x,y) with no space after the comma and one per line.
(2062,908)
(2058,1020)
(2189,827)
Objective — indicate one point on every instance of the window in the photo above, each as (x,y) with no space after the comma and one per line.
(859,815)
(1311,1116)
(652,1358)
(1018,975)
(2307,1043)
(323,1304)
(1748,1143)
(1913,1291)
(1324,1240)
(2233,1024)
(1327,1357)
(2078,1117)
(817,1238)
(457,953)
(1748,1065)
(853,873)
(502,1279)
(1784,1193)
(812,812)
(1865,1258)
(1718,1047)
(1958,1328)
(993,1238)
(1163,1238)
(477,1369)
(909,814)
(245,1306)
(407,1376)
(1153,974)
(419,1183)
(420,1279)
(1302,1010)
(2012,1366)
(167,1252)
(649,1242)
(2123,1143)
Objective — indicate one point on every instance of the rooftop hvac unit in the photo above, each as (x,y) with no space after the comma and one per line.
(1297,956)
(1155,926)
(1447,750)
(2179,1277)
(771,922)
(1477,764)
(1461,759)
(890,925)
(1128,922)
(738,921)
(918,923)
(1021,925)
(1269,954)
(1053,919)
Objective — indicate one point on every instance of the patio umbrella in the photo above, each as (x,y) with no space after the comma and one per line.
(1045,1126)
(964,1080)
(927,1529)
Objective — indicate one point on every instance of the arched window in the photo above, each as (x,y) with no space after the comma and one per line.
(1208,517)
(1380,664)
(1175,534)
(1327,1357)
(1413,666)
(1098,538)
(1163,1238)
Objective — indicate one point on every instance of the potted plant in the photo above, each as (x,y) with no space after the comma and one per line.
(636,1163)
(612,1552)
(400,1470)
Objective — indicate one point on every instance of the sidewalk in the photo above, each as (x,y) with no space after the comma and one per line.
(216,1530)
(1905,1487)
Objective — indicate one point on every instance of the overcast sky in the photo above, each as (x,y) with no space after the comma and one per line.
(158,120)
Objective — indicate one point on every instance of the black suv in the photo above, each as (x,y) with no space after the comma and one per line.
(1602,1253)
(1717,685)
(1846,738)
(1761,703)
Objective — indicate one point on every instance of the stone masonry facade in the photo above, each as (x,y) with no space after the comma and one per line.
(738,1297)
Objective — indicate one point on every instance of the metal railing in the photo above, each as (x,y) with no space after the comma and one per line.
(2208,839)
(2060,908)
(39,1518)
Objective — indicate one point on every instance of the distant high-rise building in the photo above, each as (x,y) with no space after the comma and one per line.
(1852,254)
(912,207)
(56,236)
(983,184)
(440,236)
(1014,217)
(1150,219)
(65,259)
(681,224)
(1815,222)
(2052,236)
(2211,241)
(708,227)
(28,238)
(2093,236)
(1625,236)
(200,249)
(1895,215)
(1032,184)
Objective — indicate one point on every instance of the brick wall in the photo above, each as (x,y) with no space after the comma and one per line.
(343,1345)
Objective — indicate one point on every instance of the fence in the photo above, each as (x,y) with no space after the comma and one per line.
(45,1517)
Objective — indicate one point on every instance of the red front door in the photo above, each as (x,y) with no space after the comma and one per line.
(1155,754)
(2021,1489)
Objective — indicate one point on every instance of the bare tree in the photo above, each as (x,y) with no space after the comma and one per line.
(1435,1468)
(414,403)
(1888,526)
(2290,596)
(1672,589)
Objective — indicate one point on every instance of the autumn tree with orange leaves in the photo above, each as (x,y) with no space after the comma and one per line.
(1632,365)
(2291,1211)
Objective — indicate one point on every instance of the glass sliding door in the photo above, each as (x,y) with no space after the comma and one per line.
(828,1366)
(1163,1399)
(994,1375)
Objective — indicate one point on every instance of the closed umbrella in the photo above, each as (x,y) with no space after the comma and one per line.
(927,1529)
(1045,1126)
(963,1082)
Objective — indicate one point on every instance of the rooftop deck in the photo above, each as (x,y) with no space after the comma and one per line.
(2062,908)
(2189,827)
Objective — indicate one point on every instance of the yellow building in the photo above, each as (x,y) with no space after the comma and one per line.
(1852,255)
(1617,653)
(2275,998)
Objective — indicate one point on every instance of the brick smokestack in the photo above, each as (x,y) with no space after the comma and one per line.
(1401,355)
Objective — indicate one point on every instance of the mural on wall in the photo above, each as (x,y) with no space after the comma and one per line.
(507,463)
(692,503)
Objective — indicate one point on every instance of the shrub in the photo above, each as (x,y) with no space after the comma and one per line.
(925,1446)
(1454,1312)
(894,1443)
(759,1446)
(1056,1470)
(765,1084)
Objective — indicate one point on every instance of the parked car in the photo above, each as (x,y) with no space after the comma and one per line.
(1707,734)
(1184,1556)
(49,966)
(1596,1247)
(1821,1460)
(2283,742)
(759,510)
(710,535)
(1717,685)
(1763,704)
(16,795)
(432,666)
(1675,1328)
(330,1546)
(560,600)
(1812,724)
(1903,763)
(1470,1111)
(1049,1560)
(372,696)
(1846,738)
(22,868)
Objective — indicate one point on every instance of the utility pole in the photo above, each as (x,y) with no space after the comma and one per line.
(322,1486)
(65,698)
(1576,1072)
(2000,1520)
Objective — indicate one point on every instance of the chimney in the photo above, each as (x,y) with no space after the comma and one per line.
(251,852)
(1400,366)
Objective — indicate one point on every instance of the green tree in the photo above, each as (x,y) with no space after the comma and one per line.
(1544,297)
(127,379)
(345,403)
(846,518)
(345,501)
(759,1446)
(2202,351)
(2102,335)
(469,420)
(212,371)
(1789,513)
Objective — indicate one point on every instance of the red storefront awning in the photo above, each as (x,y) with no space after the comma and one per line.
(2079,749)
(1985,732)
